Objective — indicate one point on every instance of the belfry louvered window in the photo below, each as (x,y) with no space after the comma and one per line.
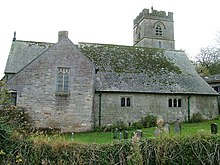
(63,80)
(159,30)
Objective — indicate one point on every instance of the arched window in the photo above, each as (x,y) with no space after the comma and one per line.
(159,30)
(170,102)
(123,102)
(175,102)
(179,103)
(63,80)
(128,102)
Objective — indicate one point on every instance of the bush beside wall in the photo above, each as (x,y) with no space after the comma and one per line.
(199,149)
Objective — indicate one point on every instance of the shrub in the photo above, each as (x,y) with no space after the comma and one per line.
(120,125)
(149,121)
(196,117)
(202,149)
(137,125)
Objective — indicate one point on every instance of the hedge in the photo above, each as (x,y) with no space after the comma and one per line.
(196,150)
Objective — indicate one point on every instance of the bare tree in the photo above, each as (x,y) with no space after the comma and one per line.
(208,61)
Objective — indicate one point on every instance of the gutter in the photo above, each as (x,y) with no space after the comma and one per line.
(100,108)
(188,108)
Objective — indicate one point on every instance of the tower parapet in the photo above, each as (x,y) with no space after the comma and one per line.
(161,15)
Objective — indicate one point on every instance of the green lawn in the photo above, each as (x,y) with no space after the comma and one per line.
(106,137)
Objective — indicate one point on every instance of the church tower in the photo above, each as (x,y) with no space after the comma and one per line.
(154,30)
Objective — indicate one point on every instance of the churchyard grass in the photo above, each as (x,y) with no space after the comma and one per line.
(188,129)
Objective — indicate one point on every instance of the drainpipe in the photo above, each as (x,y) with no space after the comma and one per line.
(188,108)
(100,108)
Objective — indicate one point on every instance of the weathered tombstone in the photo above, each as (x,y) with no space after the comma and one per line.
(72,135)
(125,134)
(120,135)
(167,128)
(214,128)
(177,126)
(157,132)
(115,133)
(139,133)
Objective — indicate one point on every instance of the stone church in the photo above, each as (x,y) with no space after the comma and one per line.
(78,87)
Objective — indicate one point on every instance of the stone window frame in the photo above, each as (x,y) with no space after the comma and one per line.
(126,101)
(159,29)
(13,98)
(63,84)
(175,102)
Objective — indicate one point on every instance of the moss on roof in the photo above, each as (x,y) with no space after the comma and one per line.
(128,59)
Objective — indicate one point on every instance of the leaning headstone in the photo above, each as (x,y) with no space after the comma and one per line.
(125,134)
(166,128)
(115,133)
(177,126)
(214,128)
(139,133)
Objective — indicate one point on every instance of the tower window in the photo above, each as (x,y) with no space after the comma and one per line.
(159,31)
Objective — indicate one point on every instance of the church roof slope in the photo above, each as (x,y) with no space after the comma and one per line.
(139,69)
(22,53)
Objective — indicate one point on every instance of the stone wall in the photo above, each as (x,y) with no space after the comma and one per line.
(36,87)
(153,104)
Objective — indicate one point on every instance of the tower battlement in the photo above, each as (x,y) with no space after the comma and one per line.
(162,15)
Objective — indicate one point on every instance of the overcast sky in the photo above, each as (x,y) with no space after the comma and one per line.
(196,23)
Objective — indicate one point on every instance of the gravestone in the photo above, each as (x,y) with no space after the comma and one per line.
(139,133)
(177,126)
(157,132)
(214,128)
(72,135)
(115,133)
(125,134)
(120,135)
(167,128)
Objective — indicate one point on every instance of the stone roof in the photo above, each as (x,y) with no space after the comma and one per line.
(22,53)
(148,70)
(125,68)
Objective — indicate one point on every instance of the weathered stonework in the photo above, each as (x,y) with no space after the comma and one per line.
(144,31)
(36,89)
(153,104)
